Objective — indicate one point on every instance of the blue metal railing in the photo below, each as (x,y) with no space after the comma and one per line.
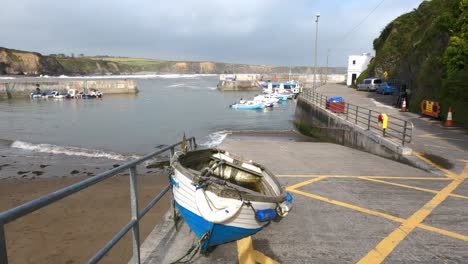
(29,207)
(398,129)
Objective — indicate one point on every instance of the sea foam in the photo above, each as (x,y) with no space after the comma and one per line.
(215,139)
(69,150)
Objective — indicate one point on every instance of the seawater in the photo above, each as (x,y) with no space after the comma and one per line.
(166,107)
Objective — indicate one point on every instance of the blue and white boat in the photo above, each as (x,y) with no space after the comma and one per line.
(35,95)
(248,105)
(223,197)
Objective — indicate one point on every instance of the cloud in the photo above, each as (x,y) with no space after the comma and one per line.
(242,31)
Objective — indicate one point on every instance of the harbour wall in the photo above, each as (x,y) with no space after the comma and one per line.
(316,121)
(19,88)
(250,82)
(238,85)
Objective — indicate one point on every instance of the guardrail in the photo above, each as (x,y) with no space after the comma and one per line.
(399,129)
(29,207)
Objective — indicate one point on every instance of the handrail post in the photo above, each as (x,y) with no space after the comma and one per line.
(194,143)
(3,249)
(347,110)
(404,133)
(368,119)
(134,207)
(355,121)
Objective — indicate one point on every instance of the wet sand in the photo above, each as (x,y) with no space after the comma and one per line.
(75,228)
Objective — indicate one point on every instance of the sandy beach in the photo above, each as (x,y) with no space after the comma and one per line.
(75,228)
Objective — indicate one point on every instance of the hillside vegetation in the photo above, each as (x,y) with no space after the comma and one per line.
(428,49)
(16,62)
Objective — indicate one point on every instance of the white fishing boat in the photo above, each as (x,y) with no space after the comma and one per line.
(266,99)
(223,197)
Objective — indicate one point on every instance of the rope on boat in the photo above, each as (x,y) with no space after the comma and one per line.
(197,244)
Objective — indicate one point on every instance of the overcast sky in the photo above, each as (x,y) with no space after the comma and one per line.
(278,32)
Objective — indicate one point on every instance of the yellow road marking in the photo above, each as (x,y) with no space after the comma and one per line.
(436,137)
(298,185)
(389,243)
(384,215)
(412,187)
(443,232)
(441,147)
(248,255)
(447,172)
(350,206)
(462,160)
(358,177)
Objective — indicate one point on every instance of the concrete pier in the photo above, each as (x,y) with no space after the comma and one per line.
(18,88)
(251,82)
(347,205)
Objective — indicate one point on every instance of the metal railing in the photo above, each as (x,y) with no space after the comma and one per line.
(399,129)
(29,207)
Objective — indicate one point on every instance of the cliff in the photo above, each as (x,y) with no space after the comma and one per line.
(428,49)
(16,62)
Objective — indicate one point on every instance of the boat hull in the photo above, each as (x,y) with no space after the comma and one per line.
(220,233)
(223,197)
(247,107)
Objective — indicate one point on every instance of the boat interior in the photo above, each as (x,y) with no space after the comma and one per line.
(224,166)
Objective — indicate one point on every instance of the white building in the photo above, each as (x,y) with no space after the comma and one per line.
(356,65)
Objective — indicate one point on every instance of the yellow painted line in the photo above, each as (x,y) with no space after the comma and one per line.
(412,187)
(244,250)
(380,214)
(447,172)
(436,137)
(358,177)
(408,178)
(350,206)
(389,243)
(443,232)
(441,147)
(298,185)
(462,160)
(248,255)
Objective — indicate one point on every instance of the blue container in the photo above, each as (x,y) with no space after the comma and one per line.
(265,215)
(335,99)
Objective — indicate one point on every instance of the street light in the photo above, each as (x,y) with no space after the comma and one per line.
(315,58)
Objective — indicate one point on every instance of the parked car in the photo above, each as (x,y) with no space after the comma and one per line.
(385,88)
(370,84)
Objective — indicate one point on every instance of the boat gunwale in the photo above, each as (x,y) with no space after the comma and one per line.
(236,190)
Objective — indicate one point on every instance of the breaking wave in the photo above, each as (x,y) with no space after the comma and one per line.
(215,138)
(140,76)
(70,151)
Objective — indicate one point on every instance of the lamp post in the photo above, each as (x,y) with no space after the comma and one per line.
(315,58)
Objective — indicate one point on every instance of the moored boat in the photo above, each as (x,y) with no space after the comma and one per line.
(245,105)
(223,197)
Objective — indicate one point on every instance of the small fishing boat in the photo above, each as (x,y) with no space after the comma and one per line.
(223,197)
(35,95)
(267,100)
(245,105)
(62,95)
(94,94)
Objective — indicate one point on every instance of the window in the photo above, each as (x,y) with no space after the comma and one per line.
(376,81)
(367,81)
(354,62)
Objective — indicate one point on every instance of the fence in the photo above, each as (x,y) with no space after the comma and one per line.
(398,129)
(29,207)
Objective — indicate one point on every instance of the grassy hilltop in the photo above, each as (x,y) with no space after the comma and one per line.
(428,48)
(16,62)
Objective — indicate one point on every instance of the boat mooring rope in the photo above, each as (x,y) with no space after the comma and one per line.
(197,244)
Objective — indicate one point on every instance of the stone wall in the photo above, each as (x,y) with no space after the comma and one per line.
(17,88)
(319,122)
(238,85)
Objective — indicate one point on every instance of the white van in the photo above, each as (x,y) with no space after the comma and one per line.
(369,84)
